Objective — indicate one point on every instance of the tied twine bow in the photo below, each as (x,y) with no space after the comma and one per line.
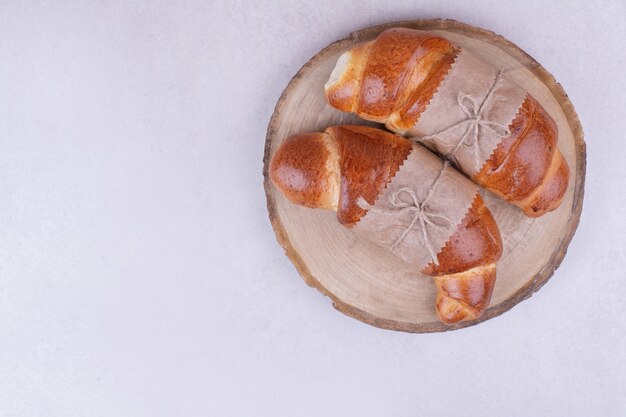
(474,121)
(420,213)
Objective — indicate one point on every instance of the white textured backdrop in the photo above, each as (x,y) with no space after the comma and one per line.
(139,275)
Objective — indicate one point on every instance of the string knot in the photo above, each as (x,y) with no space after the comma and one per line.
(421,217)
(473,122)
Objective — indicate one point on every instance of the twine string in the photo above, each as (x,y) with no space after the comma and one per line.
(421,216)
(474,121)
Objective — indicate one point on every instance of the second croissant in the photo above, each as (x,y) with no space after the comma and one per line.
(402,197)
(424,87)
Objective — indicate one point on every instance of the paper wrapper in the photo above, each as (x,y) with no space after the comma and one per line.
(470,113)
(424,186)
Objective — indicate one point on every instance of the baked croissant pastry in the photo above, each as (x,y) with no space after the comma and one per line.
(422,86)
(348,168)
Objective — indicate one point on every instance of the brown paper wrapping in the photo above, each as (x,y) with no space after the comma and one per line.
(470,113)
(426,187)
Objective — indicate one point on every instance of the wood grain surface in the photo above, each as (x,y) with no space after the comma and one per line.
(367,282)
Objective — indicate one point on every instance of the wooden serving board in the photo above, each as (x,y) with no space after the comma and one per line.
(367,282)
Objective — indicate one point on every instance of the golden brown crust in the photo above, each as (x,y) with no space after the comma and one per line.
(464,296)
(299,170)
(475,242)
(549,194)
(466,273)
(520,161)
(417,100)
(369,158)
(526,160)
(343,92)
(398,62)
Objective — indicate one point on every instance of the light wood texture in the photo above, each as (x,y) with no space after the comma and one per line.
(369,283)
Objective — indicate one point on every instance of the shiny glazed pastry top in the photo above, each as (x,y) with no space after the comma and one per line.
(392,80)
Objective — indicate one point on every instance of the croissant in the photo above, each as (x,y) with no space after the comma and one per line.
(393,79)
(333,169)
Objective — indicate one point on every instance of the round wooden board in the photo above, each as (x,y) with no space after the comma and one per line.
(367,282)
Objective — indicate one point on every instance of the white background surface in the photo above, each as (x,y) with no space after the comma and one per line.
(139,275)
